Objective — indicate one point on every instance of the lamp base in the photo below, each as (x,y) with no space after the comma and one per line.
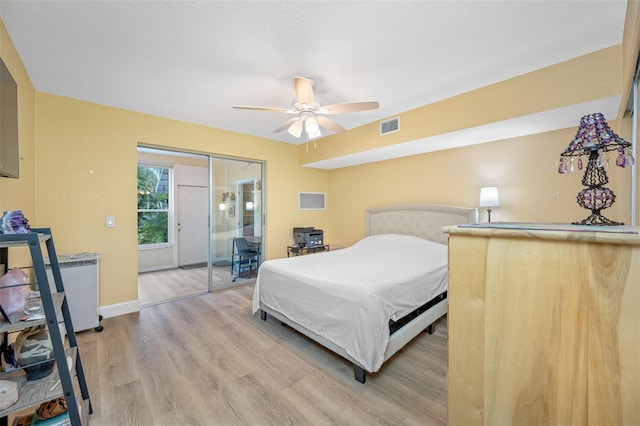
(596,218)
(595,196)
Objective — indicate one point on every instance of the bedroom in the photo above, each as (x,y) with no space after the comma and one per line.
(85,136)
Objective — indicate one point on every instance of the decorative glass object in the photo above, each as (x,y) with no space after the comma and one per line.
(14,222)
(32,303)
(34,352)
(596,140)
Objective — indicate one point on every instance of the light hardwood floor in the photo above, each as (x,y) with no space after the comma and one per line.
(207,360)
(170,284)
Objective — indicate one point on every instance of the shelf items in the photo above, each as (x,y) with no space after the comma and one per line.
(61,381)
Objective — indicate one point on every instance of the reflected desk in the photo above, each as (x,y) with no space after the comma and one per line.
(295,250)
(245,263)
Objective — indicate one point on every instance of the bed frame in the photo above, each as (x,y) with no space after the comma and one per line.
(422,220)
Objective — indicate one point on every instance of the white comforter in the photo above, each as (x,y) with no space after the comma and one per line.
(348,296)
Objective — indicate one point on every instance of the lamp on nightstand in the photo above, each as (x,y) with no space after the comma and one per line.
(489,198)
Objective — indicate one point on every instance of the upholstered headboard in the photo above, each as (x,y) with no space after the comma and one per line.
(422,220)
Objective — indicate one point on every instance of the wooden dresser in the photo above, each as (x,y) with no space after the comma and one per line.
(544,326)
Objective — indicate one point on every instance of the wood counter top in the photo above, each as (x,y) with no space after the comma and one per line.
(550,231)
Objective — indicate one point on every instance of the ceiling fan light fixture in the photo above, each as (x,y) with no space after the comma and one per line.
(315,134)
(296,129)
(310,112)
(312,128)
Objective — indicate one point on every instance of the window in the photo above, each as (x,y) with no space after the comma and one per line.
(153,205)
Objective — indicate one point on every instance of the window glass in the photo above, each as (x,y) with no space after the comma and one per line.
(153,204)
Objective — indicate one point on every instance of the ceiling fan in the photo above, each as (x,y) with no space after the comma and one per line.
(309,114)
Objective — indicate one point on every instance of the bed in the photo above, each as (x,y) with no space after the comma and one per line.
(349,300)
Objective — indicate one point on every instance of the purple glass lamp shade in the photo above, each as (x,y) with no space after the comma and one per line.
(594,134)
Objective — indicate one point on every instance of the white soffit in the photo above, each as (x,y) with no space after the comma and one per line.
(545,121)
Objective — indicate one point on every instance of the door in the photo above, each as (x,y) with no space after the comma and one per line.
(193,230)
(237,200)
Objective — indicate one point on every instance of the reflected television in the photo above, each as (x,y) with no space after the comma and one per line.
(9,155)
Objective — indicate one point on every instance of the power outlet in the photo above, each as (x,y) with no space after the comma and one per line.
(110,222)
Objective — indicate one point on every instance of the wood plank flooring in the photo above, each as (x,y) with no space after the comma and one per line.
(207,360)
(170,284)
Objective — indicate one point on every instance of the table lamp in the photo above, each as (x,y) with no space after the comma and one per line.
(489,198)
(595,139)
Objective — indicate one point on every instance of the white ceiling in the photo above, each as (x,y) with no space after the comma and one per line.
(193,60)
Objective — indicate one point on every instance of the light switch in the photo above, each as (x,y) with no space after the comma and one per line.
(110,222)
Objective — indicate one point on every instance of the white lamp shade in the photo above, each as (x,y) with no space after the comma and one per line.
(489,196)
(296,128)
(312,128)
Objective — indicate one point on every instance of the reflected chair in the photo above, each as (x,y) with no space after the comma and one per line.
(243,258)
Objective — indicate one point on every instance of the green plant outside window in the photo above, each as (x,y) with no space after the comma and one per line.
(153,205)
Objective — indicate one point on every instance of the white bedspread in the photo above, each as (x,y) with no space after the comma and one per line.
(348,296)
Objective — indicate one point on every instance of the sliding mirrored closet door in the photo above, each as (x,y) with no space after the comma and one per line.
(236,212)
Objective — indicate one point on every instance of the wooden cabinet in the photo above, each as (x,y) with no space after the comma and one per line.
(544,326)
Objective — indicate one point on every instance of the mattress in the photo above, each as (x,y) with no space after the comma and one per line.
(348,296)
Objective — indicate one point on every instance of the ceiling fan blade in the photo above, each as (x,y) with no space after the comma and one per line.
(257,108)
(286,124)
(304,91)
(348,107)
(330,124)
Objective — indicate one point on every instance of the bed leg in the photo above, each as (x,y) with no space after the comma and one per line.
(359,373)
(263,315)
(431,328)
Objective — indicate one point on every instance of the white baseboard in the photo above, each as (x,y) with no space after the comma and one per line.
(119,309)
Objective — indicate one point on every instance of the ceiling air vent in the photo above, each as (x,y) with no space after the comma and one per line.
(311,200)
(390,126)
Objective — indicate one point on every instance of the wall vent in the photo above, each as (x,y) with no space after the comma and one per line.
(390,126)
(312,201)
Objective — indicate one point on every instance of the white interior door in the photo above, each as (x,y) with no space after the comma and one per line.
(193,218)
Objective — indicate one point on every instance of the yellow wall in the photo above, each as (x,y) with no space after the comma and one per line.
(18,194)
(524,169)
(86,170)
(630,46)
(593,76)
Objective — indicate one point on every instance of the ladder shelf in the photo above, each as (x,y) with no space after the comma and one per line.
(60,381)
